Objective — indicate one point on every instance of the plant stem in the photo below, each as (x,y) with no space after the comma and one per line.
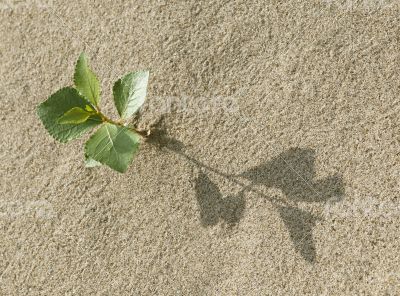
(104,118)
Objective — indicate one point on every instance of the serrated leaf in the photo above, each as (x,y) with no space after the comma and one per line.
(55,106)
(74,116)
(90,162)
(130,93)
(113,146)
(86,81)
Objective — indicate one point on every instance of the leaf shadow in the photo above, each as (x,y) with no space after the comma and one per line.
(293,172)
(213,206)
(300,226)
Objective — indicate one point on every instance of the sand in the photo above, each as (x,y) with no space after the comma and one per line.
(274,169)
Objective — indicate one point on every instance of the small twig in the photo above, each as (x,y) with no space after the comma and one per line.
(143,133)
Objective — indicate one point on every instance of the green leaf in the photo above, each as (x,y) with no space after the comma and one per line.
(130,93)
(55,106)
(86,81)
(113,145)
(90,162)
(75,115)
(88,108)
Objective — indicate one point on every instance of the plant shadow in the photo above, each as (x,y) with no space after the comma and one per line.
(293,172)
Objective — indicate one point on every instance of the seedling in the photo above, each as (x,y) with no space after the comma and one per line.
(72,111)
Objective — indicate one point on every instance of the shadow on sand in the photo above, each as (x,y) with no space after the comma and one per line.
(293,172)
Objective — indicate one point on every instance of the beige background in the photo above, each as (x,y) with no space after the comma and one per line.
(292,189)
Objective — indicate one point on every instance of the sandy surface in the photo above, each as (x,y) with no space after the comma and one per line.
(275,170)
